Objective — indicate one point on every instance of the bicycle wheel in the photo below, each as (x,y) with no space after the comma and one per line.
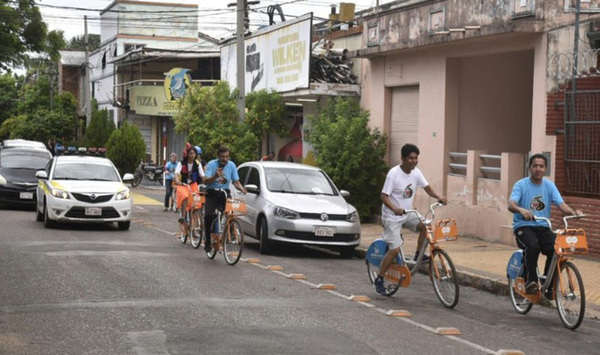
(213,252)
(182,231)
(197,229)
(521,304)
(390,287)
(443,277)
(570,296)
(233,242)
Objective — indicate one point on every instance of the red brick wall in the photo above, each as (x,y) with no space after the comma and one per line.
(589,206)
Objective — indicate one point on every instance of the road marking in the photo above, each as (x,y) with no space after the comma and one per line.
(139,199)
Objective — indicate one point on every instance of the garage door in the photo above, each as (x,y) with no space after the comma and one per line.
(405,120)
(144,124)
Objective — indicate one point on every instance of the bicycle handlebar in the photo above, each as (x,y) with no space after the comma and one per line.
(424,218)
(565,218)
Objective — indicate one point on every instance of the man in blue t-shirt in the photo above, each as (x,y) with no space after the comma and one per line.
(220,173)
(531,197)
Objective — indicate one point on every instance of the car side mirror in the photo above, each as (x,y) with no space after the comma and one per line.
(252,188)
(344,193)
(128,177)
(41,174)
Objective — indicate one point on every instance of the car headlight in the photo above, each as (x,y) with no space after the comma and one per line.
(59,194)
(123,195)
(2,180)
(285,213)
(352,217)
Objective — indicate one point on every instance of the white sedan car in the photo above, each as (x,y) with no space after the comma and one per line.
(83,189)
(296,203)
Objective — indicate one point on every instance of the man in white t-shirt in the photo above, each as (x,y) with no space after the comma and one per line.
(397,195)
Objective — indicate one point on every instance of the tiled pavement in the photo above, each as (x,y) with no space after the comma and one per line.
(482,264)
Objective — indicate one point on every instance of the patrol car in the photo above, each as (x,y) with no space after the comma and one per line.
(83,189)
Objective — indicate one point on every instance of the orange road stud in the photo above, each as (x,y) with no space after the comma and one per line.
(398,313)
(447,331)
(274,267)
(253,261)
(296,277)
(359,298)
(509,352)
(326,287)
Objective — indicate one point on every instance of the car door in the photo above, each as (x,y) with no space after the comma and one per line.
(252,201)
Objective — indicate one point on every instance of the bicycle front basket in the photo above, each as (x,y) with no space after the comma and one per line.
(445,230)
(571,241)
(235,206)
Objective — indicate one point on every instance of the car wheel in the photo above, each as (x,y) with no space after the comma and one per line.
(48,223)
(38,215)
(347,252)
(265,246)
(124,225)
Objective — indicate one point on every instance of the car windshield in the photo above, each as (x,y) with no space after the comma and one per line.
(24,159)
(85,171)
(298,181)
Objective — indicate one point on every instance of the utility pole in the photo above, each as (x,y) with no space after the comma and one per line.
(86,82)
(241,55)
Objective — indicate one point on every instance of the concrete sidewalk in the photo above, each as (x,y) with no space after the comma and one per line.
(482,264)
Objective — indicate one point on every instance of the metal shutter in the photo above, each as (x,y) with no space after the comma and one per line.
(405,120)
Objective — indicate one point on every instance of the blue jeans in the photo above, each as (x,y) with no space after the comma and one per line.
(169,192)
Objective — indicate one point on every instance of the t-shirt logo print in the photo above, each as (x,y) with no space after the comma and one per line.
(537,204)
(408,192)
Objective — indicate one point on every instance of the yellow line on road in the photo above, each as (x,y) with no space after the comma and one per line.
(139,199)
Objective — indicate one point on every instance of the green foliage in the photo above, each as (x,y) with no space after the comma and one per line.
(350,152)
(77,43)
(125,148)
(266,113)
(8,97)
(23,30)
(55,42)
(209,115)
(40,124)
(100,128)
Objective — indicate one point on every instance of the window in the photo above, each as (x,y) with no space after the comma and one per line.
(104,60)
(254,177)
(243,172)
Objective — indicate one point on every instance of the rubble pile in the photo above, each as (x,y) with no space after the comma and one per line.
(329,65)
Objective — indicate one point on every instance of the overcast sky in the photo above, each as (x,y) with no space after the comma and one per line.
(215,18)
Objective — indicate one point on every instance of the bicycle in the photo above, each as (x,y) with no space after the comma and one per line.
(563,274)
(194,219)
(442,272)
(226,231)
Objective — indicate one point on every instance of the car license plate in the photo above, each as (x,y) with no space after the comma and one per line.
(93,211)
(26,195)
(324,231)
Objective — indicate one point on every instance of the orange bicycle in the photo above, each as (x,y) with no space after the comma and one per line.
(563,284)
(226,231)
(441,268)
(194,218)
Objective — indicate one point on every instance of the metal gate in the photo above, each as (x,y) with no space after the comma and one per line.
(582,142)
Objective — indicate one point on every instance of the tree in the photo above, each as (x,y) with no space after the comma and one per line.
(350,152)
(8,97)
(23,30)
(77,43)
(266,114)
(125,148)
(209,115)
(100,128)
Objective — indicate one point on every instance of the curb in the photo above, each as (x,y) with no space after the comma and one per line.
(491,285)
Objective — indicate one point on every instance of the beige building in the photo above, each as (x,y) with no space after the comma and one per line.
(473,83)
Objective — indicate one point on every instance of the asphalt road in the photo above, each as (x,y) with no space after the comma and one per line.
(82,289)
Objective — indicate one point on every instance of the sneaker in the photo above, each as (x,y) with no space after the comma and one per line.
(379,287)
(532,288)
(180,220)
(426,258)
(165,209)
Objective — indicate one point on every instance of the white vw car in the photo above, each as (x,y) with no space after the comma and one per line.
(83,189)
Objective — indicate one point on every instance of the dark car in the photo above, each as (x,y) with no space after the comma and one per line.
(17,174)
